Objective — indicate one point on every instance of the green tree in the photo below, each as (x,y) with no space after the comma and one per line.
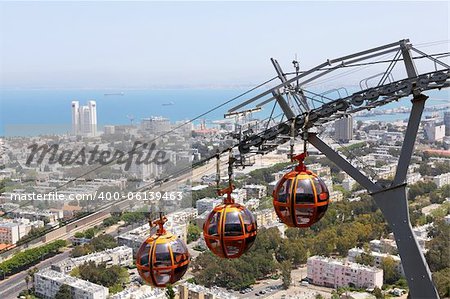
(390,272)
(378,293)
(286,269)
(113,277)
(365,258)
(442,282)
(64,292)
(193,233)
(170,293)
(438,254)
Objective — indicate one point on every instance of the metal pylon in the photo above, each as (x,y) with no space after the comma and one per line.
(393,203)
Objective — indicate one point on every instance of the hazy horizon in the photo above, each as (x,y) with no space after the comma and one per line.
(123,45)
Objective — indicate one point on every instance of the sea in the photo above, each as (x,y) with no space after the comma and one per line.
(30,112)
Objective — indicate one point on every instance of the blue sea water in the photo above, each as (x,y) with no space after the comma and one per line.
(34,111)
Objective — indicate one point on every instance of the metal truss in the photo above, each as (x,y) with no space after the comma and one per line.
(309,110)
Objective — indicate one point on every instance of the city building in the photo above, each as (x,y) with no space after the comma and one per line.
(266,217)
(338,273)
(252,203)
(383,246)
(433,131)
(377,258)
(336,196)
(343,129)
(9,233)
(442,179)
(48,217)
(109,130)
(142,292)
(120,256)
(84,118)
(155,124)
(255,191)
(207,204)
(447,123)
(47,283)
(193,291)
(12,231)
(348,183)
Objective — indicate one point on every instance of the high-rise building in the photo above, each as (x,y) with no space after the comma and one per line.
(434,130)
(447,123)
(343,129)
(75,117)
(84,118)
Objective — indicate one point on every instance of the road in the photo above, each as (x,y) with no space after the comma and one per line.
(11,287)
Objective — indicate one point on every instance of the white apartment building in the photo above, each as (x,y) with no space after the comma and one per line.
(9,233)
(378,258)
(441,180)
(12,231)
(383,246)
(189,291)
(207,204)
(266,217)
(336,273)
(255,191)
(143,292)
(348,183)
(434,131)
(121,256)
(47,283)
(252,203)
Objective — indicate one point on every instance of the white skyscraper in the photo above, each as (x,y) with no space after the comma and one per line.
(343,129)
(76,117)
(84,118)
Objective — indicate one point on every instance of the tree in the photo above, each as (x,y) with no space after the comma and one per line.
(286,269)
(438,256)
(170,293)
(27,281)
(113,277)
(390,272)
(442,282)
(378,293)
(64,292)
(193,233)
(365,258)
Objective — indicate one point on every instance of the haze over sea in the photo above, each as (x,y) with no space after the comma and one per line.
(36,111)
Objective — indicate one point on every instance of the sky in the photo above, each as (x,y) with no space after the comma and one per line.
(145,44)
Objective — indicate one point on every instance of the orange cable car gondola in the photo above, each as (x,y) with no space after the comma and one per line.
(300,198)
(230,229)
(163,258)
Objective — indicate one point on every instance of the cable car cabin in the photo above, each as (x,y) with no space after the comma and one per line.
(300,198)
(230,229)
(162,259)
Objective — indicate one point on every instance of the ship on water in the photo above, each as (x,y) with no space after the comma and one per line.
(168,103)
(114,94)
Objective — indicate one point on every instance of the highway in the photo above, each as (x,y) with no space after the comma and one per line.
(11,287)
